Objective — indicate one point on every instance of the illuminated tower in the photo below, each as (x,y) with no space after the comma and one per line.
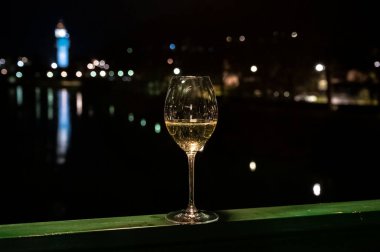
(62,44)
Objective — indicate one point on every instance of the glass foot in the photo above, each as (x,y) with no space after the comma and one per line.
(200,217)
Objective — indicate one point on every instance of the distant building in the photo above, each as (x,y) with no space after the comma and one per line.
(62,44)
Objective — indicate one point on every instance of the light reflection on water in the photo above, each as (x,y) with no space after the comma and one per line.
(64,125)
(122,138)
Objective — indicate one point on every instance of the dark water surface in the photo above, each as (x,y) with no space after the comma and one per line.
(101,150)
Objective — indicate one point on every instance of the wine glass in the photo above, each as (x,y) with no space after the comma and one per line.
(191,114)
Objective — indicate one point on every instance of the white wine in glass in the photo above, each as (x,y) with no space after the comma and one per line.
(191,114)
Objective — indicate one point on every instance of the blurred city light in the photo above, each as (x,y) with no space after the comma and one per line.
(90,66)
(49,74)
(63,74)
(111,73)
(319,67)
(242,38)
(54,65)
(103,73)
(129,50)
(111,110)
(2,61)
(102,63)
(377,64)
(276,94)
(252,166)
(20,63)
(24,59)
(93,74)
(157,128)
(317,189)
(286,94)
(96,62)
(254,69)
(131,73)
(172,46)
(170,61)
(78,74)
(18,74)
(4,71)
(143,122)
(294,34)
(229,39)
(120,73)
(131,117)
(176,71)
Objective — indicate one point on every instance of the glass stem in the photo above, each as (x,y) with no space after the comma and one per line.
(191,209)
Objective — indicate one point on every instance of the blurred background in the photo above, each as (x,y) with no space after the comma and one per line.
(83,84)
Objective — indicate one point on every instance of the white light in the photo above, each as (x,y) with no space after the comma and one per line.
(317,189)
(170,61)
(319,67)
(63,74)
(254,69)
(131,73)
(18,74)
(20,63)
(102,63)
(229,39)
(78,74)
(24,59)
(120,73)
(90,66)
(176,70)
(4,71)
(286,94)
(2,61)
(103,73)
(54,65)
(276,94)
(143,122)
(93,74)
(242,38)
(49,74)
(377,64)
(252,166)
(106,66)
(294,34)
(96,62)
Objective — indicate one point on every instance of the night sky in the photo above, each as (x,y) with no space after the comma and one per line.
(27,27)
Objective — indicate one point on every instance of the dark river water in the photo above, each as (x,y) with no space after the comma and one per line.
(102,150)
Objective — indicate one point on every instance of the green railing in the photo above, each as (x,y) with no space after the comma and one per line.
(343,226)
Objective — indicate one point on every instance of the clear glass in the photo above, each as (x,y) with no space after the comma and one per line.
(191,114)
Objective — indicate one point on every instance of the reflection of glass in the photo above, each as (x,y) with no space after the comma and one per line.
(191,115)
(64,126)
